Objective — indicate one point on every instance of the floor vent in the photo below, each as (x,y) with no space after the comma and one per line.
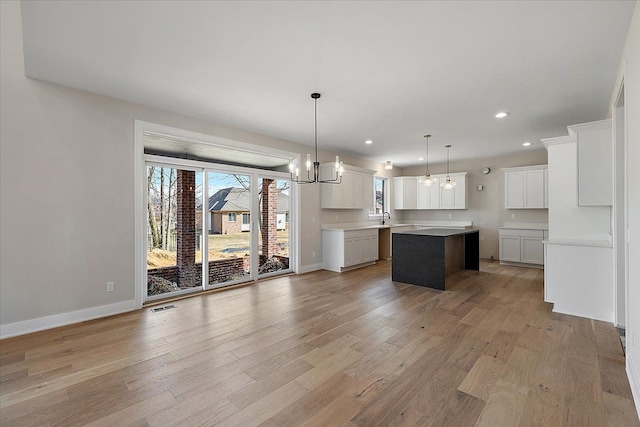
(163,308)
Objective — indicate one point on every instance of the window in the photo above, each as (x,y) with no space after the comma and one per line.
(246,218)
(380,189)
(231,217)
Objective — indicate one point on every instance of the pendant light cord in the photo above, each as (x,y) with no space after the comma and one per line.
(315,125)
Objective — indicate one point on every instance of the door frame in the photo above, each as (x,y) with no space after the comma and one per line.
(140,193)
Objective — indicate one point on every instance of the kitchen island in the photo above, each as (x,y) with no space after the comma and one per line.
(427,257)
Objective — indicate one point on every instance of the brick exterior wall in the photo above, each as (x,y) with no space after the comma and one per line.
(219,271)
(186,229)
(269,217)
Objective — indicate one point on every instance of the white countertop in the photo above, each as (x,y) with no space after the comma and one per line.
(378,225)
(579,242)
(525,226)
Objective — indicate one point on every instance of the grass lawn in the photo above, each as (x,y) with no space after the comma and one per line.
(221,246)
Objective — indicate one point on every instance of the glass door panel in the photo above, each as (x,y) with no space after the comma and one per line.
(274,206)
(228,213)
(174,225)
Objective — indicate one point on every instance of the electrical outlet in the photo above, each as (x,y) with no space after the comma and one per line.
(313,220)
(513,216)
(313,254)
(410,215)
(110,286)
(450,216)
(336,217)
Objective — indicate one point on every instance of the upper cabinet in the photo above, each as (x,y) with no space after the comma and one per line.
(456,197)
(355,191)
(409,194)
(405,192)
(595,163)
(525,187)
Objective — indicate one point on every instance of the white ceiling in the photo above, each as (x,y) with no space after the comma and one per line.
(387,71)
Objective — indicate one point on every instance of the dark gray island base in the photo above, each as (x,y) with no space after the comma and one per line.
(426,257)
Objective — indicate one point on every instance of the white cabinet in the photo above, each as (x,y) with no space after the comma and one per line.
(521,246)
(343,250)
(509,248)
(429,197)
(595,163)
(409,194)
(525,187)
(405,192)
(456,197)
(355,191)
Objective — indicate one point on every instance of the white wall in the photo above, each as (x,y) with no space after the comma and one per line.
(486,207)
(630,72)
(567,220)
(67,194)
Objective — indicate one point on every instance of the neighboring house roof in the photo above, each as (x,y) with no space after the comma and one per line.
(236,199)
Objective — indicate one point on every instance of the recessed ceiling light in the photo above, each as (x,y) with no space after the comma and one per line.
(526,144)
(501,115)
(368,142)
(421,158)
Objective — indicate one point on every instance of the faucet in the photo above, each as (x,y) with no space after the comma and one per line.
(383,214)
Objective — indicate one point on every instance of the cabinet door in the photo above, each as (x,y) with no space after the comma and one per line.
(367,191)
(424,196)
(352,251)
(531,250)
(330,195)
(460,193)
(534,188)
(355,188)
(513,190)
(447,197)
(369,248)
(510,248)
(398,193)
(434,195)
(410,193)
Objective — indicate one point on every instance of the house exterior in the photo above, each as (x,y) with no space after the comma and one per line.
(229,209)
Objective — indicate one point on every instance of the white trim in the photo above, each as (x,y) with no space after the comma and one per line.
(634,382)
(63,319)
(547,142)
(525,168)
(212,140)
(139,204)
(309,268)
(590,126)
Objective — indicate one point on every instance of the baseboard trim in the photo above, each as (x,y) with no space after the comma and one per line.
(634,382)
(56,320)
(309,268)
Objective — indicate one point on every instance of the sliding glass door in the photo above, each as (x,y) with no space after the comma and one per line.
(229,228)
(275,212)
(208,228)
(174,228)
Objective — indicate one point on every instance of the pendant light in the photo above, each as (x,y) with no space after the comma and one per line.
(448,183)
(388,165)
(426,180)
(294,170)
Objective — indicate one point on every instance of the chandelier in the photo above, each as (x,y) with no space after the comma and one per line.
(294,169)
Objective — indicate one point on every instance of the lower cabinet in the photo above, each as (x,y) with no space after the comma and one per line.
(344,250)
(521,246)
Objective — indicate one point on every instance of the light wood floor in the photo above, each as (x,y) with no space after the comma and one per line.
(328,349)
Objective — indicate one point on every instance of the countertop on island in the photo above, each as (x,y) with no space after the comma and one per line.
(439,232)
(365,226)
